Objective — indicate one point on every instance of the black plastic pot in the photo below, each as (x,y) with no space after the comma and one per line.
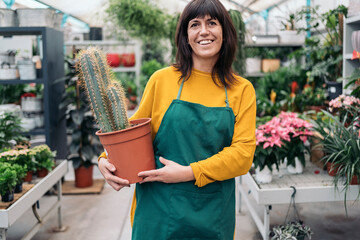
(7,197)
(334,89)
(18,188)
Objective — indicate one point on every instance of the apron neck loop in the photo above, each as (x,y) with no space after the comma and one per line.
(227,99)
(182,84)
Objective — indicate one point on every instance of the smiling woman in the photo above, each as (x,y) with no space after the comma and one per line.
(203,129)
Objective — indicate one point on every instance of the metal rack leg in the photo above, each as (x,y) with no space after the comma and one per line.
(3,233)
(60,227)
(240,181)
(266,229)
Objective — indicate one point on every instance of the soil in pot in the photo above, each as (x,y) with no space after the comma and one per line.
(130,150)
(84,176)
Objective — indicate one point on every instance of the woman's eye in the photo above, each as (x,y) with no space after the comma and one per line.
(194,25)
(212,23)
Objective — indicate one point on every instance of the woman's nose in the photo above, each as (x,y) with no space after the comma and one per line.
(204,29)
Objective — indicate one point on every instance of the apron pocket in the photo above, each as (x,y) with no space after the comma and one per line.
(194,215)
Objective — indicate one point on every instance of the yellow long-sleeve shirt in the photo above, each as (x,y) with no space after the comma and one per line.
(232,161)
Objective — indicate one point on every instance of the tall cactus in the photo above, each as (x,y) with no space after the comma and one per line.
(105,94)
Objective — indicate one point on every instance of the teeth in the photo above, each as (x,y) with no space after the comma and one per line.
(205,42)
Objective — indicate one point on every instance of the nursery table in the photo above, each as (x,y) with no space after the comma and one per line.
(10,215)
(310,187)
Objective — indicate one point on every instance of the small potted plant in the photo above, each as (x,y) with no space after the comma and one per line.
(20,174)
(7,181)
(44,159)
(293,230)
(284,136)
(120,138)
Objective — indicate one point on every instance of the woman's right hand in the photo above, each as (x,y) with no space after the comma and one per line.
(107,169)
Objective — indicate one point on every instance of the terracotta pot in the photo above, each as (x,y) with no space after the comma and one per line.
(113,59)
(84,176)
(128,59)
(332,169)
(130,150)
(28,176)
(42,172)
(7,197)
(355,180)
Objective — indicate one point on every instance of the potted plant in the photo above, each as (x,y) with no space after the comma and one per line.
(10,129)
(44,159)
(120,138)
(346,108)
(20,174)
(314,98)
(341,147)
(7,181)
(293,230)
(289,33)
(253,60)
(284,136)
(270,62)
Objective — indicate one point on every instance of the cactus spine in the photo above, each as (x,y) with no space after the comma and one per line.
(105,94)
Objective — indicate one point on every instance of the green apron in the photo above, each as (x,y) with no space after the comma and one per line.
(189,132)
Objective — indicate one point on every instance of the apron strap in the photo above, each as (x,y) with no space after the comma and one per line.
(182,84)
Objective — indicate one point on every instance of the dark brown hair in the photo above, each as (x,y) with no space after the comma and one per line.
(222,68)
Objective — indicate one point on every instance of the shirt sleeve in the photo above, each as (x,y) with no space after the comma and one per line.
(236,159)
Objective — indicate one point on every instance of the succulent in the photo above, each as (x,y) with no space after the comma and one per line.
(105,93)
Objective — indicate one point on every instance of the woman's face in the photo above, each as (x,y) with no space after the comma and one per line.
(205,37)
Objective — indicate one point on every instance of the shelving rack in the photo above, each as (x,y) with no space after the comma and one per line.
(350,25)
(52,44)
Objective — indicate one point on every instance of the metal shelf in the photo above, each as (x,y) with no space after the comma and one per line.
(18,81)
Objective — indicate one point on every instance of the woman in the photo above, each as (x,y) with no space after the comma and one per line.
(203,126)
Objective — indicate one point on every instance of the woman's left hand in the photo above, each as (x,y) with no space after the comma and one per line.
(172,172)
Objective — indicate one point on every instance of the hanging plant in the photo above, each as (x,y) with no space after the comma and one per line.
(139,18)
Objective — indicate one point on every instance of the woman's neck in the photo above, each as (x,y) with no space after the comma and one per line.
(204,65)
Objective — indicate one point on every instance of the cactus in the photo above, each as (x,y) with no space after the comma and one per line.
(105,94)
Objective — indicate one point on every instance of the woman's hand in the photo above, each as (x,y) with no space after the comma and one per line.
(106,170)
(172,172)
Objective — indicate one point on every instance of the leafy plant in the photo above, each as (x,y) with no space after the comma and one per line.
(20,172)
(341,147)
(291,231)
(106,95)
(7,178)
(313,97)
(353,81)
(44,157)
(10,93)
(10,129)
(80,123)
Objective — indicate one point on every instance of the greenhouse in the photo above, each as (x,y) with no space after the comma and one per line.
(179,119)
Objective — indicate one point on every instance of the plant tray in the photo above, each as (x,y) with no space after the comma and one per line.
(68,188)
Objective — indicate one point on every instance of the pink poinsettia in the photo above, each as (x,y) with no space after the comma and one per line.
(284,128)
